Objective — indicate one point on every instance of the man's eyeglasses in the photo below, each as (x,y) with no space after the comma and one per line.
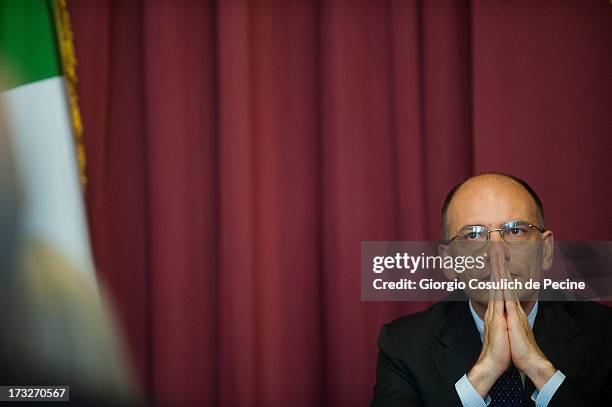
(514,231)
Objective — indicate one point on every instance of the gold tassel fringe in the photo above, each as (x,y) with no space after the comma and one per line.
(69,63)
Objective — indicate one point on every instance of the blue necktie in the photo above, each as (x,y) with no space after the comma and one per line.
(508,389)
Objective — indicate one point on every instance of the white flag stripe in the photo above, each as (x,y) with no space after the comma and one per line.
(44,148)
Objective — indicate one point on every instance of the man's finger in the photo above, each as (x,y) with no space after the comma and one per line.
(494,263)
(508,296)
(499,294)
(511,308)
(516,315)
(522,316)
(506,273)
(498,309)
(490,308)
(521,311)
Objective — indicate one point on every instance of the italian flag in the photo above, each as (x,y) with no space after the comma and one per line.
(39,100)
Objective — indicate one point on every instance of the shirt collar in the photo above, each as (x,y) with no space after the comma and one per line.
(480,323)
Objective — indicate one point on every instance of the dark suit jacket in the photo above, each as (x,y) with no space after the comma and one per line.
(421,356)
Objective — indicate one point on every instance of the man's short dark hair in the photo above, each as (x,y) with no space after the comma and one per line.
(521,182)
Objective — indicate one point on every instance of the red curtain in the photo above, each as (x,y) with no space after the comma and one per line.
(239,151)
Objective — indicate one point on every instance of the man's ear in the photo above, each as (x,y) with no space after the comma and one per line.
(548,245)
(443,251)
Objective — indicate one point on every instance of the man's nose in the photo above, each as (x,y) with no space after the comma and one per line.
(495,236)
(496,245)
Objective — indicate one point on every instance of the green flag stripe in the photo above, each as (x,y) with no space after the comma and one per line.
(28,43)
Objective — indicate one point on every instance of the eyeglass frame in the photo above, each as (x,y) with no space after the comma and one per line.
(539,229)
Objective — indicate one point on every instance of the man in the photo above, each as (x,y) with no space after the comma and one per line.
(503,348)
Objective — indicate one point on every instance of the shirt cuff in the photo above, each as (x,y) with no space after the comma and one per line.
(546,393)
(469,396)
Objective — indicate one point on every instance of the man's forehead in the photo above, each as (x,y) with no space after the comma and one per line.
(490,202)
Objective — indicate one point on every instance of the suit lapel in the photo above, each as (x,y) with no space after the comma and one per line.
(555,331)
(462,344)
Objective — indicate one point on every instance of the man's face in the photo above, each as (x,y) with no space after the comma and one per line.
(491,201)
